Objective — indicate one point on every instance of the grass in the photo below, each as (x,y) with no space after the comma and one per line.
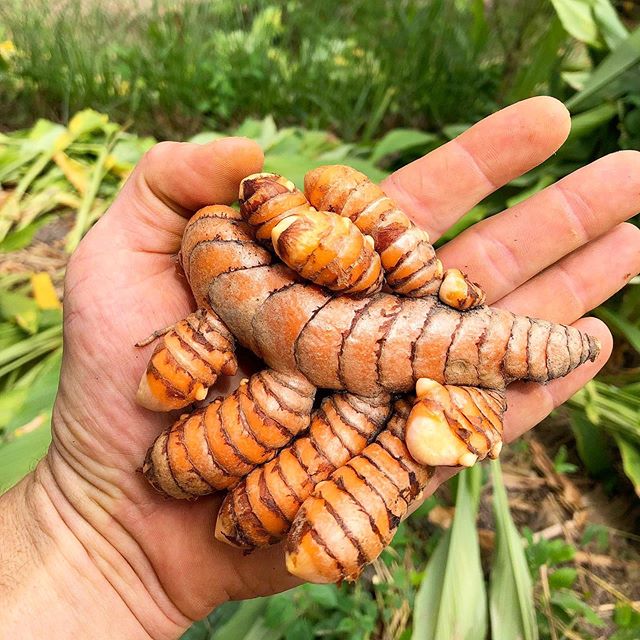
(177,67)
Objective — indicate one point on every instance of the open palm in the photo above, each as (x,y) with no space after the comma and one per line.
(556,256)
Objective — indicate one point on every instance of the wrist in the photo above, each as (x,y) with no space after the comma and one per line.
(60,577)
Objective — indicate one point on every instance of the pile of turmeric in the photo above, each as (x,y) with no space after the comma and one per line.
(334,288)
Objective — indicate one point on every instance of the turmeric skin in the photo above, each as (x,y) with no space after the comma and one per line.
(187,362)
(213,447)
(408,258)
(258,511)
(351,517)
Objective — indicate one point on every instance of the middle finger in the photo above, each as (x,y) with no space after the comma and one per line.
(508,249)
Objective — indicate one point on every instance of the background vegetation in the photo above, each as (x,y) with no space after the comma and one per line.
(374,84)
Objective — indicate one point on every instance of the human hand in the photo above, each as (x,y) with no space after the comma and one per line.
(556,256)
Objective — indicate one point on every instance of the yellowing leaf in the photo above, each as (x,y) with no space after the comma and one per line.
(86,121)
(75,172)
(44,292)
(7,50)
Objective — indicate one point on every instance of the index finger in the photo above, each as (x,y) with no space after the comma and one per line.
(439,188)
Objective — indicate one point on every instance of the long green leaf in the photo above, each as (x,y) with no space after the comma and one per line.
(620,60)
(630,331)
(399,140)
(630,461)
(451,602)
(577,18)
(511,604)
(594,446)
(611,28)
(243,622)
(20,456)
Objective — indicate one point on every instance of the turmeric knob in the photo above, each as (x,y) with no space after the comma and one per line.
(454,425)
(267,198)
(187,361)
(328,250)
(407,256)
(459,292)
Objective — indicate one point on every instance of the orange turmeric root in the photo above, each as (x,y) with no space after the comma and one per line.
(187,362)
(258,511)
(214,447)
(433,336)
(323,248)
(408,258)
(351,517)
(451,425)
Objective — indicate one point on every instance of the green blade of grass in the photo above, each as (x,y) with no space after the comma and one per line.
(451,601)
(630,461)
(620,60)
(511,603)
(82,217)
(630,331)
(30,348)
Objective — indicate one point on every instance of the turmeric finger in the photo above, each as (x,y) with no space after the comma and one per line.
(351,517)
(328,250)
(187,361)
(322,247)
(259,510)
(266,199)
(214,447)
(457,291)
(451,425)
(407,256)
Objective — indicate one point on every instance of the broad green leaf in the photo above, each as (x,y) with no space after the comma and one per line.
(570,603)
(594,446)
(10,403)
(23,237)
(630,461)
(21,454)
(250,128)
(511,604)
(578,20)
(20,309)
(326,595)
(268,133)
(41,394)
(563,578)
(400,140)
(451,601)
(206,136)
(630,331)
(620,60)
(243,621)
(585,123)
(611,28)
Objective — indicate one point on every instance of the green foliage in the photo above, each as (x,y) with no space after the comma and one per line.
(176,67)
(511,599)
(454,568)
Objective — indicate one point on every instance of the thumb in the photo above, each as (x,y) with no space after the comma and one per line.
(172,180)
